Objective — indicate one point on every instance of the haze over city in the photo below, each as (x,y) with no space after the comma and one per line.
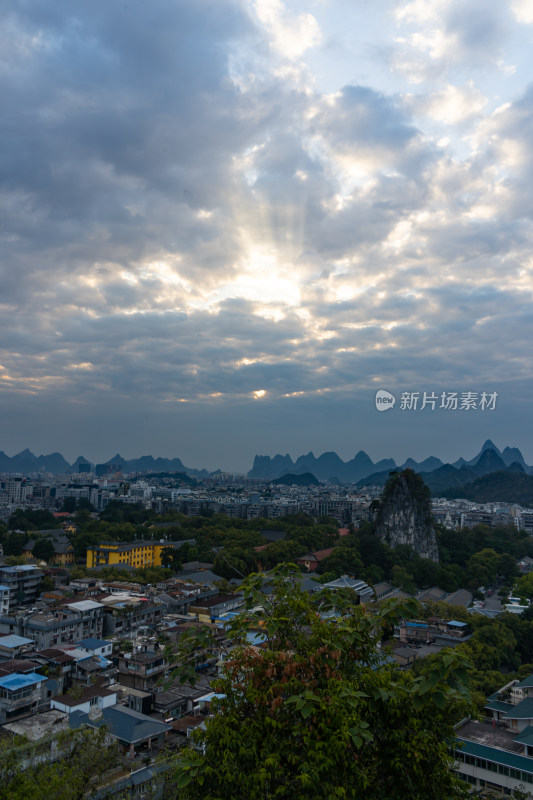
(227,224)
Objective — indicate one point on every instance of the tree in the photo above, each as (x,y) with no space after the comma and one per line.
(315,713)
(403,579)
(25,773)
(170,558)
(43,550)
(47,584)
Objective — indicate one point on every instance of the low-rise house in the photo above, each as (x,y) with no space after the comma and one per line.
(13,646)
(462,597)
(404,656)
(212,608)
(130,728)
(383,590)
(88,669)
(88,698)
(434,629)
(311,560)
(134,698)
(20,695)
(433,595)
(57,666)
(180,700)
(96,647)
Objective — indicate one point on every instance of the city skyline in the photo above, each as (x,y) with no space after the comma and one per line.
(227,225)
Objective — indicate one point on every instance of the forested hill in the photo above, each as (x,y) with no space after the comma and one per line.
(506,487)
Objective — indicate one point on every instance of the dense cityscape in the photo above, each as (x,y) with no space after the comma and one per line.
(106,577)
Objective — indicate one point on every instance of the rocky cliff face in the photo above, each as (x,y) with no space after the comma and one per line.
(405,515)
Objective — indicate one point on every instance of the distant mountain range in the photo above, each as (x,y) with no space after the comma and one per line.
(26,462)
(328,467)
(363,471)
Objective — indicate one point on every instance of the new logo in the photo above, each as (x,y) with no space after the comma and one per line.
(384,400)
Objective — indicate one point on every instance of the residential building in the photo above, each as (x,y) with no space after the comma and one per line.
(20,695)
(23,583)
(96,647)
(212,608)
(63,549)
(130,728)
(142,669)
(311,560)
(4,599)
(63,625)
(88,699)
(125,614)
(13,646)
(434,629)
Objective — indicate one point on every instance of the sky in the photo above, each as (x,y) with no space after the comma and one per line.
(225,225)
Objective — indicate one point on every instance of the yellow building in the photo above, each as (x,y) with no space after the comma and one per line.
(63,549)
(134,554)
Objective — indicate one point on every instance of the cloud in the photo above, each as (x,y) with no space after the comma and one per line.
(290,35)
(437,38)
(190,224)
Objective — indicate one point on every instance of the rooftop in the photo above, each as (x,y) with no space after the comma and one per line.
(492,736)
(13,641)
(87,694)
(84,605)
(18,681)
(39,725)
(92,644)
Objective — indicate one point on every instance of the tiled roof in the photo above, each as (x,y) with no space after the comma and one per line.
(523,710)
(497,755)
(526,736)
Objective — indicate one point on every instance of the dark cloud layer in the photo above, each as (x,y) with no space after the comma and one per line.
(204,255)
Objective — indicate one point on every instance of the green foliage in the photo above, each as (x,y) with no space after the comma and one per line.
(171,558)
(43,549)
(47,584)
(86,757)
(313,714)
(508,487)
(403,579)
(117,511)
(25,520)
(13,543)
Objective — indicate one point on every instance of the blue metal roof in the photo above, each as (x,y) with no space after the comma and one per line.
(17,681)
(14,641)
(92,644)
